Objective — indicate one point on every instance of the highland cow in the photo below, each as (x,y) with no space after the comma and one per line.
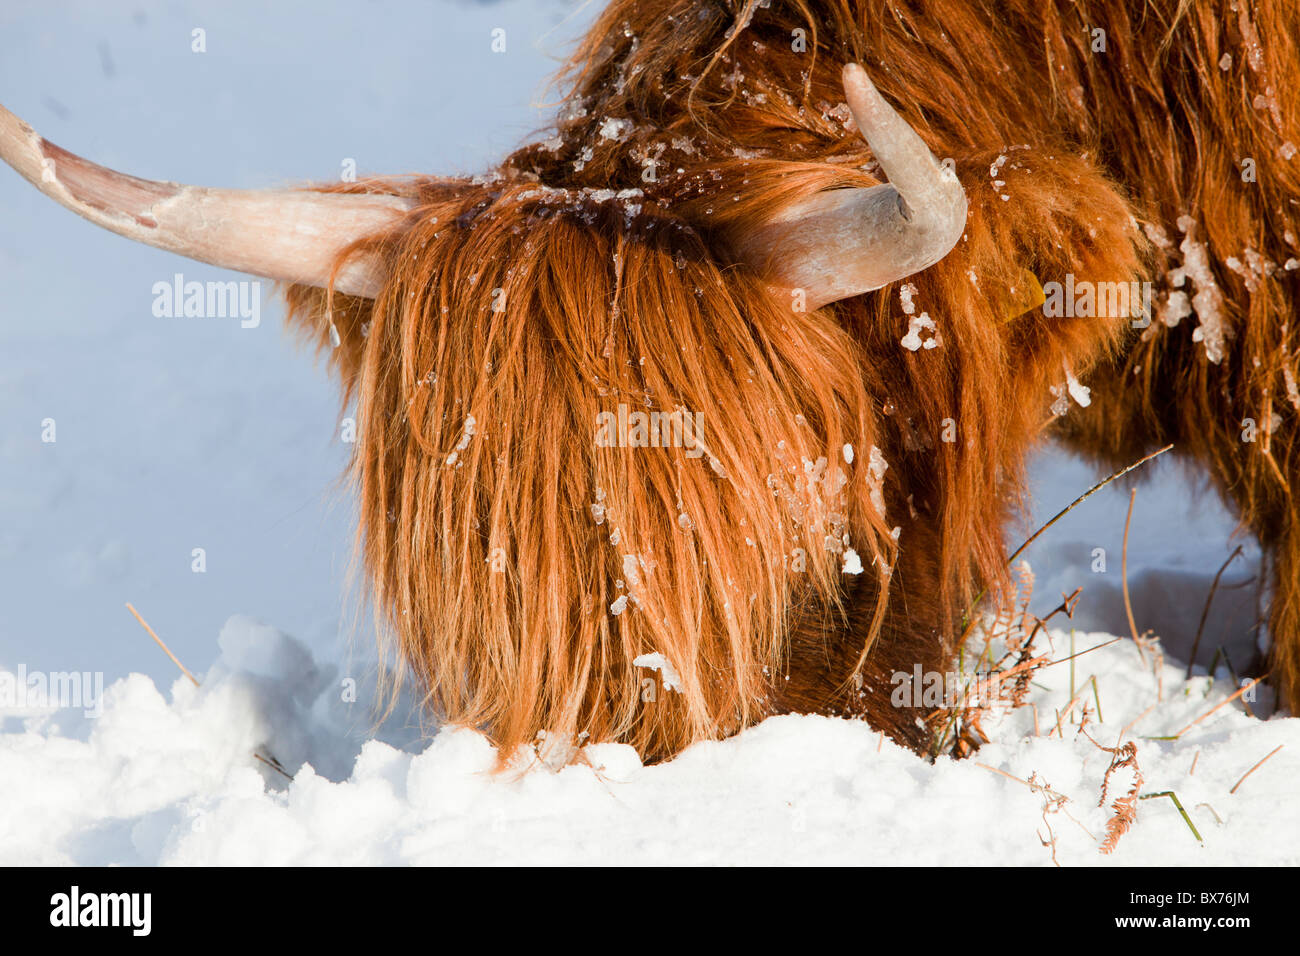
(865,364)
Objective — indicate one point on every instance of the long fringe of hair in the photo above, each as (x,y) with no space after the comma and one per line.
(522,563)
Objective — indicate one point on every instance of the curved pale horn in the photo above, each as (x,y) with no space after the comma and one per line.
(843,242)
(287,235)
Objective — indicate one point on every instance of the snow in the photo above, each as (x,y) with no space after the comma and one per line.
(912,341)
(1208,301)
(876,468)
(186,443)
(1079,392)
(906,294)
(614,128)
(668,674)
(175,781)
(467,433)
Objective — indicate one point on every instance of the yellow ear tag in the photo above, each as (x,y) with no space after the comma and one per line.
(1028,294)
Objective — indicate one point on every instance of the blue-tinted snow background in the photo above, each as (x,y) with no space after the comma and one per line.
(176,434)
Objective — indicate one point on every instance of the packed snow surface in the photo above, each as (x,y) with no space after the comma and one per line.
(170,777)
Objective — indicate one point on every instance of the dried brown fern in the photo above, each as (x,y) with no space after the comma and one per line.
(1125,807)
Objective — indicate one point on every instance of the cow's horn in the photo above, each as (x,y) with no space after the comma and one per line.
(843,242)
(287,235)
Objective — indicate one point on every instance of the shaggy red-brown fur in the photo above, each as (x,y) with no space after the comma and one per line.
(520,567)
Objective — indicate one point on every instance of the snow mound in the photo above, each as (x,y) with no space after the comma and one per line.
(174,780)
